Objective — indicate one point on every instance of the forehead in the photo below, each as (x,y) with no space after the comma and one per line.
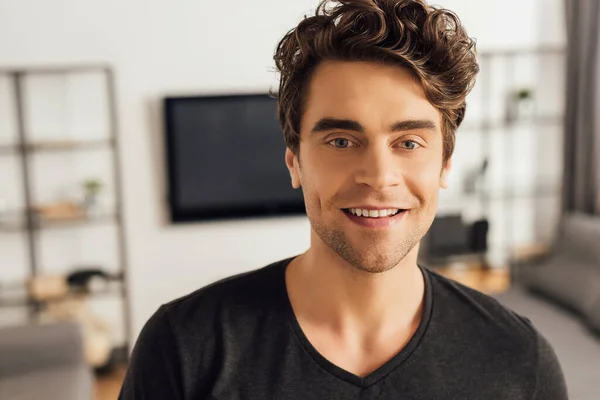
(362,90)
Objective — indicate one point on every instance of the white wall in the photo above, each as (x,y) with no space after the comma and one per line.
(198,46)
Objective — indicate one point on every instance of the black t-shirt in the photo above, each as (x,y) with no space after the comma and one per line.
(239,339)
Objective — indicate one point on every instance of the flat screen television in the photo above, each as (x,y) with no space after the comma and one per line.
(225,159)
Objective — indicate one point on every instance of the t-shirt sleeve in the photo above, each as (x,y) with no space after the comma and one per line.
(154,371)
(550,382)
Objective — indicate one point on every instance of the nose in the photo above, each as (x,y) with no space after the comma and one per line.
(378,168)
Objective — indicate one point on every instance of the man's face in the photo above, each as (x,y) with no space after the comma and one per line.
(369,140)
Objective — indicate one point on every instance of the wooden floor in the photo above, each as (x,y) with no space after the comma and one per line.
(108,386)
(490,281)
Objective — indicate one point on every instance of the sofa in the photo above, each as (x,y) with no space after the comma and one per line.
(44,362)
(560,294)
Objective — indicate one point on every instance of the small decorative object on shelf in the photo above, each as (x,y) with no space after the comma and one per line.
(59,212)
(47,287)
(92,189)
(521,105)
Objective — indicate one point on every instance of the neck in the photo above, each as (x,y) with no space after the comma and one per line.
(333,294)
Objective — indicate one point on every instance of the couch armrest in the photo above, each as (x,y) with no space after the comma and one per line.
(34,347)
(524,258)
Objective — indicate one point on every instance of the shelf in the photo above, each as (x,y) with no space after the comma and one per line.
(15,302)
(12,222)
(55,70)
(537,121)
(61,223)
(57,146)
(114,286)
(68,145)
(76,222)
(9,149)
(27,302)
(518,194)
(537,191)
(523,51)
(11,229)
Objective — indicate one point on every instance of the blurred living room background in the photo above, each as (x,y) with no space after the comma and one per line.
(140,160)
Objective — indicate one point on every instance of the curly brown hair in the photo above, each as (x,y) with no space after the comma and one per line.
(429,41)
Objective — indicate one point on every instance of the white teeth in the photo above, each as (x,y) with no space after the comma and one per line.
(374,213)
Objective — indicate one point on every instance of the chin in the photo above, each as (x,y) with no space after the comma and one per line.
(374,253)
(372,261)
(376,258)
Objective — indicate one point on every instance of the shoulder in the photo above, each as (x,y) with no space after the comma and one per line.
(186,338)
(486,332)
(228,313)
(492,337)
(458,304)
(230,298)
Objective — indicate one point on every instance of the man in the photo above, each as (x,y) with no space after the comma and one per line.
(371,94)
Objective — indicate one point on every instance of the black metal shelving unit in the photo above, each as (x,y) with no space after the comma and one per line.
(493,87)
(512,192)
(31,226)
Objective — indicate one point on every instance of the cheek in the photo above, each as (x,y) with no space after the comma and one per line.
(424,180)
(322,173)
(321,181)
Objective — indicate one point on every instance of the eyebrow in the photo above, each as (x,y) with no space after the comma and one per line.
(413,124)
(328,124)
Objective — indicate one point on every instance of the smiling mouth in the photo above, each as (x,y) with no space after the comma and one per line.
(385,213)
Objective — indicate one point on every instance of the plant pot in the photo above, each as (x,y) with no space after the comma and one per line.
(92,206)
(524,109)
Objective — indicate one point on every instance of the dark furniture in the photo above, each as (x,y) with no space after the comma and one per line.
(451,239)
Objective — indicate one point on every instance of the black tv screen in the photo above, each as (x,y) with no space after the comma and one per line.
(225,159)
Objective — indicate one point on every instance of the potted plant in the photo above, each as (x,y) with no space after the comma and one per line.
(523,104)
(92,188)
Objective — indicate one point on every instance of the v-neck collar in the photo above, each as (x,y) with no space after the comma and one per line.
(380,372)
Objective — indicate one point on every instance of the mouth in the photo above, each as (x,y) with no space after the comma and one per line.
(369,213)
(371,218)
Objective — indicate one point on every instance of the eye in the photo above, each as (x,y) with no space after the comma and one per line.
(341,143)
(412,145)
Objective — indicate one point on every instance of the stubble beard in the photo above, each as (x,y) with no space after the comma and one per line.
(371,256)
(362,258)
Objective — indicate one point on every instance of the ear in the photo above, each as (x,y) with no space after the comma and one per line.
(291,161)
(445,172)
